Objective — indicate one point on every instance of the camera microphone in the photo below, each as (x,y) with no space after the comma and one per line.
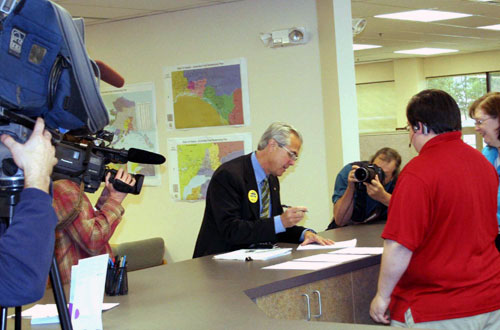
(109,75)
(144,157)
(132,155)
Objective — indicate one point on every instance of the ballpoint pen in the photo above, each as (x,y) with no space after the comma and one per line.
(288,206)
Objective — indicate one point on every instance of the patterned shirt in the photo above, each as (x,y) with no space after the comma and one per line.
(88,234)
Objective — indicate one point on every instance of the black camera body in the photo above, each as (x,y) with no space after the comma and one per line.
(367,172)
(87,164)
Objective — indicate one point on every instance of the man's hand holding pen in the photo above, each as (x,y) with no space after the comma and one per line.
(292,215)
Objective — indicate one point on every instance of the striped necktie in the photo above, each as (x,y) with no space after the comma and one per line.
(264,190)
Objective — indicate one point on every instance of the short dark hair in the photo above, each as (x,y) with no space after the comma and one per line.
(388,155)
(490,104)
(436,109)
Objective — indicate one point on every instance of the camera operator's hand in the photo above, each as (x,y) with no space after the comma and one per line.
(123,176)
(292,216)
(351,179)
(36,156)
(376,191)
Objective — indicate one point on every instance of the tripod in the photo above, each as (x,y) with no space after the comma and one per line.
(8,200)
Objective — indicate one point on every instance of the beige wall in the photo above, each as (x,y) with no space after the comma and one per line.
(284,85)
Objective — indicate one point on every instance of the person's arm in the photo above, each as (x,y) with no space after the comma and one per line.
(343,208)
(377,192)
(27,246)
(26,249)
(91,230)
(395,261)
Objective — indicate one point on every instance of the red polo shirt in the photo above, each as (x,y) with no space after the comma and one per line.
(444,210)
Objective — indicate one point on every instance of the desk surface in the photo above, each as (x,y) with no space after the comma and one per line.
(216,294)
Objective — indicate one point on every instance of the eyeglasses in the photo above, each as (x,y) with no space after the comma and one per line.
(407,127)
(479,122)
(292,154)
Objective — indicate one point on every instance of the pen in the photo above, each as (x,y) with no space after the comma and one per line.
(288,206)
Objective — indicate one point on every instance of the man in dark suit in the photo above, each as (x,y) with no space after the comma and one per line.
(243,206)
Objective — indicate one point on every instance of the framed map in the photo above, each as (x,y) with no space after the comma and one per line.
(193,160)
(207,95)
(132,114)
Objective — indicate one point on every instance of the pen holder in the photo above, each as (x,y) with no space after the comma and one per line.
(116,281)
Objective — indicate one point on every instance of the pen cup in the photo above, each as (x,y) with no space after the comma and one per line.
(116,281)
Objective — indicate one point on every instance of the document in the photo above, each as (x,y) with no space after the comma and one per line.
(254,254)
(335,258)
(360,250)
(87,292)
(301,265)
(336,245)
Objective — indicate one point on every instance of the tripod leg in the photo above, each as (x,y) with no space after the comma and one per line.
(59,296)
(4,317)
(18,318)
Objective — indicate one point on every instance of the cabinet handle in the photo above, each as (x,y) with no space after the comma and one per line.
(308,306)
(319,304)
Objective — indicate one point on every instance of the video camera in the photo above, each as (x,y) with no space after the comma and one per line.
(79,158)
(87,162)
(367,172)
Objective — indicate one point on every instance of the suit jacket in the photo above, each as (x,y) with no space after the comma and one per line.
(232,218)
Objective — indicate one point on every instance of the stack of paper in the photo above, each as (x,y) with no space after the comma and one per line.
(254,254)
(336,245)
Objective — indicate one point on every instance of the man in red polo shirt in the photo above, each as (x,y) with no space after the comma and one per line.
(440,267)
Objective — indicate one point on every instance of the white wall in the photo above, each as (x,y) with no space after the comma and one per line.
(284,85)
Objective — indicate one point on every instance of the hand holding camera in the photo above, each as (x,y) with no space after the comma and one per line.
(372,177)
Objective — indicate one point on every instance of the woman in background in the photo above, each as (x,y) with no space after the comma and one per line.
(486,113)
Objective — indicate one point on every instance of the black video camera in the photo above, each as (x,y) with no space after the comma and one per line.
(85,164)
(367,172)
(78,161)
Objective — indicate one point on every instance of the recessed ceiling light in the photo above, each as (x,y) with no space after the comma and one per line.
(423,15)
(495,27)
(426,51)
(364,46)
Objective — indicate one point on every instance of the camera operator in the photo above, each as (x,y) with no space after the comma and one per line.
(83,231)
(362,202)
(27,245)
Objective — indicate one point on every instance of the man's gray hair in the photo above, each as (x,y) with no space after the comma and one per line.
(280,132)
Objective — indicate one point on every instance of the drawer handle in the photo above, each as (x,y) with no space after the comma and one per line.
(319,304)
(308,306)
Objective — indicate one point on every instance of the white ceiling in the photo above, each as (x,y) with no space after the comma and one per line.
(393,35)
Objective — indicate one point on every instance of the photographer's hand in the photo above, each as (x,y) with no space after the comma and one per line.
(123,176)
(376,191)
(36,156)
(351,179)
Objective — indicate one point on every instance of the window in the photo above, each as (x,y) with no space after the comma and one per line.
(465,89)
(377,111)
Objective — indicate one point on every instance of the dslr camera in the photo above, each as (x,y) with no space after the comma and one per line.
(367,172)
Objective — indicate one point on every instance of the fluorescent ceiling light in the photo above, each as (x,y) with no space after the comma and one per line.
(423,15)
(495,27)
(426,51)
(364,46)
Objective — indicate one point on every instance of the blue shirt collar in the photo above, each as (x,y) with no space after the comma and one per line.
(259,172)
